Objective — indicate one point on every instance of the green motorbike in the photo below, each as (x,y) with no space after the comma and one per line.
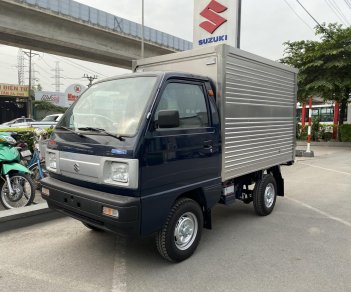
(16,186)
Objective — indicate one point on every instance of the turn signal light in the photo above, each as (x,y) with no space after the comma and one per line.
(45,191)
(110,212)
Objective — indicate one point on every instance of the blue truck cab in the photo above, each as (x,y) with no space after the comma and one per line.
(151,153)
(133,146)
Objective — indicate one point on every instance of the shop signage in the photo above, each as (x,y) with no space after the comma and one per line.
(13,90)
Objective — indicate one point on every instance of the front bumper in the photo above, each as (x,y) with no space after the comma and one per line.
(86,205)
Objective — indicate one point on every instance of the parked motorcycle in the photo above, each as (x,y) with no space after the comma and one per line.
(16,186)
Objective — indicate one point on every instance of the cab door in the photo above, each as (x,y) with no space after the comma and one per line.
(188,154)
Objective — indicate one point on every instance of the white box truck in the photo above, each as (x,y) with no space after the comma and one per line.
(151,153)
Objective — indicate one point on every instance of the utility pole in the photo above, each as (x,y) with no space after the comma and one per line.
(239,24)
(29,55)
(142,29)
(34,78)
(90,79)
(57,76)
(20,67)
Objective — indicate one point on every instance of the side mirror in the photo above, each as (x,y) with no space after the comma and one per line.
(168,119)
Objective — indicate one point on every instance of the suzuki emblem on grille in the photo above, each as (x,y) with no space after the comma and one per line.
(76,167)
(211,14)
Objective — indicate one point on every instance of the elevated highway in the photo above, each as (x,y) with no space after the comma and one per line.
(72,29)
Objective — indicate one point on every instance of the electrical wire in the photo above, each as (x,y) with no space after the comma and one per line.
(63,76)
(67,61)
(43,77)
(340,11)
(71,78)
(348,2)
(335,11)
(310,15)
(42,58)
(52,69)
(293,10)
(36,64)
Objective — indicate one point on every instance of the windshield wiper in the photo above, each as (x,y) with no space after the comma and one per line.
(70,130)
(102,131)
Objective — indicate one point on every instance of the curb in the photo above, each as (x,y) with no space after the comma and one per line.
(303,153)
(325,144)
(34,214)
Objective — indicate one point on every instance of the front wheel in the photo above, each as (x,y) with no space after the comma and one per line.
(265,195)
(181,233)
(23,191)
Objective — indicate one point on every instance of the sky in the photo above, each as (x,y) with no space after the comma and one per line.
(266,25)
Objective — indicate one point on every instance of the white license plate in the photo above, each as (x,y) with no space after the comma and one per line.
(26,153)
(45,191)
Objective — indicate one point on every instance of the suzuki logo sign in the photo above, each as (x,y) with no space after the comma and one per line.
(210,13)
(216,22)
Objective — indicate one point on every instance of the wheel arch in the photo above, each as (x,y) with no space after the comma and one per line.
(197,195)
(206,198)
(275,171)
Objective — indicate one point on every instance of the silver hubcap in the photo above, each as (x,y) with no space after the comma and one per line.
(185,231)
(269,195)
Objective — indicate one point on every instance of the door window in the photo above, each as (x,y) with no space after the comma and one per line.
(189,100)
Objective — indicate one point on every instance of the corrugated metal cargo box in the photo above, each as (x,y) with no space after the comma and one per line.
(257,102)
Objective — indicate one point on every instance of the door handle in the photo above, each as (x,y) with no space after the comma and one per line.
(208,146)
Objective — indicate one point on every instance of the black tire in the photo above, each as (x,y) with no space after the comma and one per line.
(265,195)
(25,198)
(185,213)
(91,227)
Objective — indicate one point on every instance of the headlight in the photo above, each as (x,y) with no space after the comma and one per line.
(119,172)
(52,160)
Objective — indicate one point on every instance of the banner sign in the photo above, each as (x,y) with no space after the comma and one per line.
(73,92)
(13,90)
(216,22)
(56,98)
(63,99)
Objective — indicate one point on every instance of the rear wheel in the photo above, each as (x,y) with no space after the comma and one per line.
(23,191)
(181,233)
(265,195)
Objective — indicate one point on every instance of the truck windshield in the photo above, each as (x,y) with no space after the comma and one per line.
(115,106)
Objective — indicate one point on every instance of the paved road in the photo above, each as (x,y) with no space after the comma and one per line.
(304,245)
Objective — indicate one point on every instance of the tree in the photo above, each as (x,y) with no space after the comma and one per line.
(324,66)
(38,87)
